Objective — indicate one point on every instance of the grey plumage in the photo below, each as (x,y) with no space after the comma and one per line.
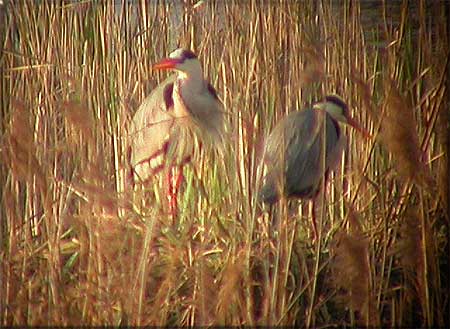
(293,155)
(302,148)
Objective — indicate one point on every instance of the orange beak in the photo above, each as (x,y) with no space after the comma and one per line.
(166,64)
(357,127)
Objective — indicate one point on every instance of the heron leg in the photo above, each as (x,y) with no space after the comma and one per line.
(169,187)
(175,178)
(313,219)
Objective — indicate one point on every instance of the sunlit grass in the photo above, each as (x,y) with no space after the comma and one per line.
(80,247)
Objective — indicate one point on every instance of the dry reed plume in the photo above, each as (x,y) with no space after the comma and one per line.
(399,135)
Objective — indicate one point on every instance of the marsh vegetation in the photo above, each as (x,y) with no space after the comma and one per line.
(80,248)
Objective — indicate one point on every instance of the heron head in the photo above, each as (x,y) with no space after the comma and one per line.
(335,106)
(338,109)
(182,60)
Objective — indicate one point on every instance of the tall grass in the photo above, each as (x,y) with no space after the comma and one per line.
(79,247)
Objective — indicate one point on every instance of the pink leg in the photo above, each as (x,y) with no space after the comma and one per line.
(174,184)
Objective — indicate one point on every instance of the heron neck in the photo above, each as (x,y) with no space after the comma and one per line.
(187,89)
(189,86)
(191,81)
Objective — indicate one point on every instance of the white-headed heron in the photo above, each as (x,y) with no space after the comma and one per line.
(183,108)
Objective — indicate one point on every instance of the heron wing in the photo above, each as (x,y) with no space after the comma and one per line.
(293,154)
(308,159)
(279,147)
(153,127)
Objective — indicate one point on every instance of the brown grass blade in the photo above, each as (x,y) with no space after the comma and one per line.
(229,295)
(410,253)
(351,274)
(416,251)
(80,121)
(19,148)
(314,70)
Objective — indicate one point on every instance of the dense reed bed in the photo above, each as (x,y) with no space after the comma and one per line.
(79,247)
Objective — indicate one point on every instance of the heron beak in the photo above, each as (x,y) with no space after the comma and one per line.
(166,64)
(352,122)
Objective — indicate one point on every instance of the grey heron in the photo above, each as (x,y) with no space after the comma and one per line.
(302,148)
(181,109)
